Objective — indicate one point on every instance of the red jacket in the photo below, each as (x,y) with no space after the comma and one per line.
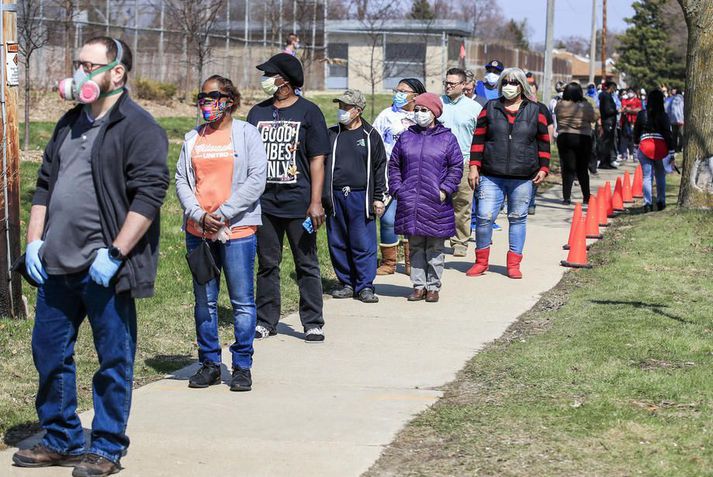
(633,103)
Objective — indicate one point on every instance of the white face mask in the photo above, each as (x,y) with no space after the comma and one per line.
(492,78)
(268,85)
(511,91)
(344,116)
(423,118)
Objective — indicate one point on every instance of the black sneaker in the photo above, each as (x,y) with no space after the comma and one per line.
(566,202)
(314,335)
(367,296)
(660,206)
(242,380)
(531,211)
(648,208)
(344,291)
(94,465)
(207,375)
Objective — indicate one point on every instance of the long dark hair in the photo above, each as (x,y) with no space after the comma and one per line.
(573,92)
(655,111)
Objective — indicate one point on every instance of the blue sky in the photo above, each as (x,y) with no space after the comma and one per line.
(572,17)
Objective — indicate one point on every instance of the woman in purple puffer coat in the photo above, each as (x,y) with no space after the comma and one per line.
(425,169)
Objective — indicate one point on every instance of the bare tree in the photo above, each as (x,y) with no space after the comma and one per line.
(195,18)
(697,181)
(66,11)
(32,36)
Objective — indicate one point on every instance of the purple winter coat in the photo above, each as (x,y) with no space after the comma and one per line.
(424,162)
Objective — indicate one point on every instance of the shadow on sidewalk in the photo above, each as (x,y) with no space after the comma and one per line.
(396,291)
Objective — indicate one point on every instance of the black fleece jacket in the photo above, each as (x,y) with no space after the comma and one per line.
(130,174)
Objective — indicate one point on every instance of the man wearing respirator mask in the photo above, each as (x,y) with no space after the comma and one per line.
(354,197)
(294,133)
(92,249)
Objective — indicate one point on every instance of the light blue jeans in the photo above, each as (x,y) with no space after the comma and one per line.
(653,169)
(387,234)
(492,193)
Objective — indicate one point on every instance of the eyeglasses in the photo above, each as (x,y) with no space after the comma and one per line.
(419,109)
(449,84)
(511,83)
(211,96)
(401,91)
(87,66)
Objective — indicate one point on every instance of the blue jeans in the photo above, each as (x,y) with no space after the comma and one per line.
(352,241)
(387,234)
(491,195)
(62,304)
(653,169)
(236,258)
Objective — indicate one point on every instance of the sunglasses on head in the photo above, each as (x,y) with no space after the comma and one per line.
(211,96)
(511,82)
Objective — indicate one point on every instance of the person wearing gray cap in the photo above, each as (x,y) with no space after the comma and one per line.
(294,132)
(354,193)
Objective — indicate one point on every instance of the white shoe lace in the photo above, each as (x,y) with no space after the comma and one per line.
(315,331)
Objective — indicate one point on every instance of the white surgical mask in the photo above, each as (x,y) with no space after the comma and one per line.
(511,91)
(423,118)
(492,78)
(344,116)
(268,85)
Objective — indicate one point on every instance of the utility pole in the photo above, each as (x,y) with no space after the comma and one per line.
(161,50)
(593,43)
(135,53)
(547,86)
(10,286)
(604,40)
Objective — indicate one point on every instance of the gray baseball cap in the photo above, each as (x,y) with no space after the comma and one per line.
(353,97)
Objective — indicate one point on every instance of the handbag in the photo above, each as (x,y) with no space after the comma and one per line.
(201,263)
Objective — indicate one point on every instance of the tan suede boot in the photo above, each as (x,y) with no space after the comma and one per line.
(407,258)
(388,260)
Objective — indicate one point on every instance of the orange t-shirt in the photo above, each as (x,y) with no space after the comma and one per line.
(212,158)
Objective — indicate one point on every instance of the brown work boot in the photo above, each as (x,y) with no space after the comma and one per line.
(432,296)
(42,456)
(407,258)
(418,294)
(388,260)
(94,465)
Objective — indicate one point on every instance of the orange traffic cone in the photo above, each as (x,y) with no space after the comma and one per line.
(576,217)
(637,190)
(607,199)
(617,200)
(592,220)
(626,191)
(577,257)
(602,206)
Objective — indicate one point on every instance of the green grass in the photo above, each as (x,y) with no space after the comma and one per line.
(166,331)
(610,374)
(324,101)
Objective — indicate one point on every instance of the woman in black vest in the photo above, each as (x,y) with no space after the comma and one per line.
(511,153)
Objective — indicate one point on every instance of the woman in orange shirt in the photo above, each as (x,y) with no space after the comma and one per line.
(220,177)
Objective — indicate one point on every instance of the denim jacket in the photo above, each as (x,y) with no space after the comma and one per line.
(249,175)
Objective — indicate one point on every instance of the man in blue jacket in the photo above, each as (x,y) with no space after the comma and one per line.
(92,249)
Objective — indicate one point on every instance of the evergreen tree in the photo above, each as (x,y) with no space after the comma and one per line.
(421,10)
(645,52)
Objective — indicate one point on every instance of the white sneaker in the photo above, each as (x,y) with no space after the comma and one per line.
(261,332)
(314,335)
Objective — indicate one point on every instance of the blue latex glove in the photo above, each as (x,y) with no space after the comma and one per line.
(104,267)
(33,264)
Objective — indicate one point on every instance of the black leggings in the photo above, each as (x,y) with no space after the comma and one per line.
(575,151)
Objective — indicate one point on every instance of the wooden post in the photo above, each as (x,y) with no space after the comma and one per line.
(604,40)
(10,285)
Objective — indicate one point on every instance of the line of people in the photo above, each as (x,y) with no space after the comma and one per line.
(426,167)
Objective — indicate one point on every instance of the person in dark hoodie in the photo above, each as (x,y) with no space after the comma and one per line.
(354,197)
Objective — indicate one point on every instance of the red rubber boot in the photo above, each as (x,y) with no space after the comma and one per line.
(513,263)
(481,262)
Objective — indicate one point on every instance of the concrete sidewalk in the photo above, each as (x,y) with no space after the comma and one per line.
(329,409)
